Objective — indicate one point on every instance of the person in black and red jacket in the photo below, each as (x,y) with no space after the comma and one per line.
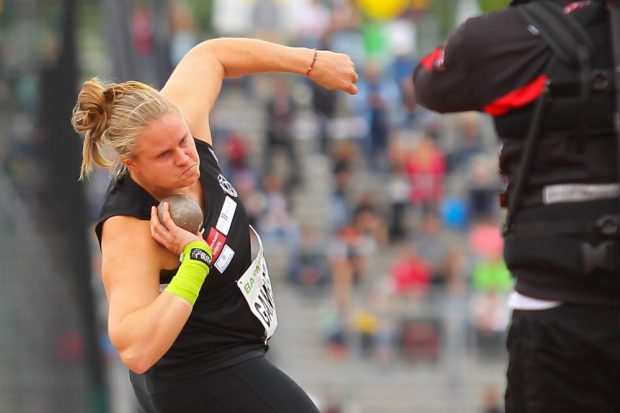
(561,237)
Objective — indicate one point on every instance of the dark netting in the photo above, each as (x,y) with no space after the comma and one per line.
(49,351)
(42,345)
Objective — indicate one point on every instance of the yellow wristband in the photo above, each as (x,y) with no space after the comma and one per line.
(195,266)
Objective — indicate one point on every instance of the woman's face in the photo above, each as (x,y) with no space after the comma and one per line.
(166,156)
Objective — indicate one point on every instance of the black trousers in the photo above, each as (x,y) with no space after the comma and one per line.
(253,386)
(564,360)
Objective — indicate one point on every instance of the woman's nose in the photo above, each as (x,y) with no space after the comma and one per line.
(182,157)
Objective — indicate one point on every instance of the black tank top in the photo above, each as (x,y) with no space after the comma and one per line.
(221,329)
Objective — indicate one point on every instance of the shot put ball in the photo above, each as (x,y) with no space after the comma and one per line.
(184,211)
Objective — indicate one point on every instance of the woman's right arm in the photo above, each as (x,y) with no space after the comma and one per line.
(142,322)
(197,80)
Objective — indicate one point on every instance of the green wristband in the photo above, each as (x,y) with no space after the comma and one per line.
(195,266)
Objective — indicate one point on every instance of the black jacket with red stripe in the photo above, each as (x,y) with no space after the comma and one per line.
(499,64)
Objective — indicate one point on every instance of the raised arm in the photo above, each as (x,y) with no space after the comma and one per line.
(196,82)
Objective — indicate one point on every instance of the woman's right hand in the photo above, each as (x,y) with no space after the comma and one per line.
(334,71)
(168,234)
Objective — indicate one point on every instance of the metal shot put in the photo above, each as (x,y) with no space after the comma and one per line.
(184,211)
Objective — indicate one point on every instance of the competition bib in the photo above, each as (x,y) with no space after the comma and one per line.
(255,286)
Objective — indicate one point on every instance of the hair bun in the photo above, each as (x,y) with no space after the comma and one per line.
(92,110)
(112,93)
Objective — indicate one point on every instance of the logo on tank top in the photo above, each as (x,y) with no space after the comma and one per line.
(226,186)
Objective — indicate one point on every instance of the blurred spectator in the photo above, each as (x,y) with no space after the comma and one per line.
(334,322)
(236,150)
(345,30)
(414,116)
(492,282)
(332,407)
(280,114)
(183,31)
(266,19)
(402,35)
(142,26)
(492,275)
(492,401)
(235,164)
(348,259)
(420,339)
(398,186)
(457,270)
(340,207)
(275,222)
(410,272)
(455,313)
(324,105)
(469,142)
(375,99)
(386,340)
(142,30)
(309,268)
(368,222)
(311,24)
(431,243)
(485,239)
(426,169)
(490,318)
(366,326)
(483,187)
(245,182)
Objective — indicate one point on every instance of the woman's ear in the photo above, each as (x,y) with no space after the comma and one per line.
(129,164)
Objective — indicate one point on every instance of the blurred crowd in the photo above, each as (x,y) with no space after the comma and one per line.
(411,236)
(409,252)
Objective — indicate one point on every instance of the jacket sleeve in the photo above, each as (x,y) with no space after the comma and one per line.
(492,63)
(441,79)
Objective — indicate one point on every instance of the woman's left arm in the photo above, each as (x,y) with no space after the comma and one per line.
(197,80)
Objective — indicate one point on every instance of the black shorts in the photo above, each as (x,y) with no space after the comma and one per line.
(252,386)
(564,360)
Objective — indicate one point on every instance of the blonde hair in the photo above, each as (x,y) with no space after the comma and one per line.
(112,117)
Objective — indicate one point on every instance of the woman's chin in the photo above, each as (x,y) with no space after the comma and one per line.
(189,178)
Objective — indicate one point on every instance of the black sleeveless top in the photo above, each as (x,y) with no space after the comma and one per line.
(221,329)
